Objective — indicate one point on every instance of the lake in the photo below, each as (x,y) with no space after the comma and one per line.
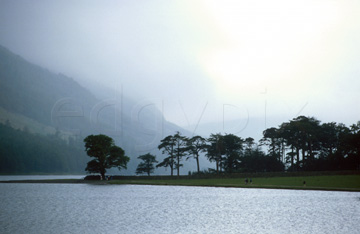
(39,177)
(85,208)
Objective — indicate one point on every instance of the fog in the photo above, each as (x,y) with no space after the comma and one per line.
(201,61)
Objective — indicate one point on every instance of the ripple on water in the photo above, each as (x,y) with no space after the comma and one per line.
(81,208)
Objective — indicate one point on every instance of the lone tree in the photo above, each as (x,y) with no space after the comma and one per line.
(147,164)
(106,154)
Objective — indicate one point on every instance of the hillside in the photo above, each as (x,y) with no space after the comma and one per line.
(39,102)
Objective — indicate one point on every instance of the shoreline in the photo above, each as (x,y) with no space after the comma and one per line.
(179,183)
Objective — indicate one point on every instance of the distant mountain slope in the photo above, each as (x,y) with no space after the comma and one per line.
(21,122)
(32,91)
(43,102)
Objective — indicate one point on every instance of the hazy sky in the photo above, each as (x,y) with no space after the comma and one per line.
(202,59)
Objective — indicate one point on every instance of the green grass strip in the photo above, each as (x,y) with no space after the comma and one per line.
(336,182)
(325,182)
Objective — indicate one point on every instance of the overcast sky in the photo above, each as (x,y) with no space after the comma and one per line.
(195,59)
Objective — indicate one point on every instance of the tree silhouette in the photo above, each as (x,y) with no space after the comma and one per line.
(179,149)
(215,149)
(195,146)
(105,153)
(311,146)
(175,147)
(147,164)
(233,146)
(167,147)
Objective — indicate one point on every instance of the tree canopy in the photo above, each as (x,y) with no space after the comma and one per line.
(306,144)
(175,147)
(167,146)
(105,153)
(301,144)
(147,164)
(195,146)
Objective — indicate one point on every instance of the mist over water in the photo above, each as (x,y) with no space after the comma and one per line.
(82,208)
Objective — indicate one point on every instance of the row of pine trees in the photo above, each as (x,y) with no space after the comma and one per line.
(302,144)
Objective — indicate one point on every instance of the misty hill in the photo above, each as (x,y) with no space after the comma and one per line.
(37,101)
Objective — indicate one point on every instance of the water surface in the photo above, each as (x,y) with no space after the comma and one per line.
(39,177)
(84,208)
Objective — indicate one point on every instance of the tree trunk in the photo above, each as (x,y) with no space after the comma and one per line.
(303,154)
(297,157)
(292,158)
(178,165)
(172,160)
(102,175)
(310,150)
(198,166)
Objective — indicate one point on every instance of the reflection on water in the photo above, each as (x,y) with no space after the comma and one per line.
(83,208)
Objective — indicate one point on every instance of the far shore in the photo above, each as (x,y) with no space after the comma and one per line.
(349,182)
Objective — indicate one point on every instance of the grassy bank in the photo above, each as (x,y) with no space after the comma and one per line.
(339,182)
(332,182)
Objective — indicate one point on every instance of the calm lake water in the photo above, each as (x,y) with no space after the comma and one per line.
(39,177)
(84,208)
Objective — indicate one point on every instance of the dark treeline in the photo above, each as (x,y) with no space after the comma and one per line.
(22,152)
(308,145)
(302,144)
(229,152)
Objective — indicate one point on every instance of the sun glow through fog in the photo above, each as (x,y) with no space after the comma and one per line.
(270,43)
(277,58)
